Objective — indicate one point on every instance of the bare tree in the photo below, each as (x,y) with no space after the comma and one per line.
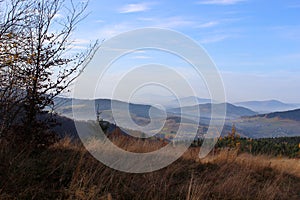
(38,62)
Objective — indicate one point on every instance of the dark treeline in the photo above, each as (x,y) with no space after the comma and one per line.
(283,146)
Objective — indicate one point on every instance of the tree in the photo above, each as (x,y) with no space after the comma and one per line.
(38,57)
(11,21)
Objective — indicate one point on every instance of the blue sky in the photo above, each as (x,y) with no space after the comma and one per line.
(254,43)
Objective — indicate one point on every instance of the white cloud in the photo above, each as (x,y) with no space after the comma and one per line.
(112,30)
(79,44)
(147,19)
(208,24)
(174,22)
(168,22)
(131,8)
(220,2)
(214,39)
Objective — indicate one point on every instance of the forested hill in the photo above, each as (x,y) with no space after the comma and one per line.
(291,115)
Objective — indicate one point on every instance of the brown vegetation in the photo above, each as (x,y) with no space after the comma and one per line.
(67,171)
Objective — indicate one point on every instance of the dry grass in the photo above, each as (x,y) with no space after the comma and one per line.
(68,171)
(280,164)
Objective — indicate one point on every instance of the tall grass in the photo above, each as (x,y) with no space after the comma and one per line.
(67,171)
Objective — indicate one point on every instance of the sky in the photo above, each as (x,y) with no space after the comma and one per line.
(255,44)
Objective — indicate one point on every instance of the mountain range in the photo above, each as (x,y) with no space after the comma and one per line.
(248,122)
(232,111)
(267,106)
(187,101)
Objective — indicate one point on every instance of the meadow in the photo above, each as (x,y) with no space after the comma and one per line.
(66,170)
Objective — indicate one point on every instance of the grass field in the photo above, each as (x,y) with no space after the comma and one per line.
(66,170)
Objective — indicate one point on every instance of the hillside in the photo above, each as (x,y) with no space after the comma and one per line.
(67,170)
(277,124)
(266,106)
(187,101)
(85,108)
(289,115)
(232,111)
